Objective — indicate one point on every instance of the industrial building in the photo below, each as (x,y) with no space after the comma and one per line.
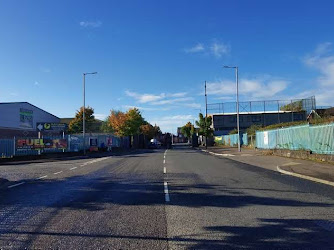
(263,113)
(224,123)
(20,118)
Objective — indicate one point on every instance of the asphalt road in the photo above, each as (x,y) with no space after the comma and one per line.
(157,199)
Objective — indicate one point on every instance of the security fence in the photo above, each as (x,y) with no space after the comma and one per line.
(277,106)
(318,138)
(231,140)
(68,143)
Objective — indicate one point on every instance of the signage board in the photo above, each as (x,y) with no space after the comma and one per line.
(36,144)
(26,118)
(45,126)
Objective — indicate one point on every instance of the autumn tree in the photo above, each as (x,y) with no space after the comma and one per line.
(125,124)
(117,121)
(149,130)
(76,125)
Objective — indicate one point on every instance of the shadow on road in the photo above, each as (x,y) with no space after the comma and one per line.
(103,188)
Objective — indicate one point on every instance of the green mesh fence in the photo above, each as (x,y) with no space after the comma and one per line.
(318,139)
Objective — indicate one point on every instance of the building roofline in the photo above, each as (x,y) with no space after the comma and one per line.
(31,105)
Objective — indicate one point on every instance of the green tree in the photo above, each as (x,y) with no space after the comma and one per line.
(76,125)
(233,131)
(106,126)
(134,121)
(204,125)
(187,130)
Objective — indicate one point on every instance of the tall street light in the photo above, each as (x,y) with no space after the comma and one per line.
(84,106)
(237,83)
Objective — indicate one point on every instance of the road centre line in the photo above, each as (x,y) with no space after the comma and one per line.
(164,161)
(58,172)
(15,185)
(73,168)
(165,170)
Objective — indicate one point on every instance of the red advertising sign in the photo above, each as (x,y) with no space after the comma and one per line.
(35,144)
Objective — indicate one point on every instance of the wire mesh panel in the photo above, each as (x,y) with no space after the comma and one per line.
(295,105)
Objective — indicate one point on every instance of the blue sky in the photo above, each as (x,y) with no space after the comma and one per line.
(156,55)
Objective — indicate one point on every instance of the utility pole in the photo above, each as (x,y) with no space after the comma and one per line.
(238,121)
(206,114)
(237,92)
(83,113)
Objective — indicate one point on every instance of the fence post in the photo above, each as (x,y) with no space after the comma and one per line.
(278,111)
(264,113)
(291,111)
(14,145)
(69,143)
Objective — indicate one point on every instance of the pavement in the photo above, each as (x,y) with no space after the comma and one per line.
(312,170)
(162,199)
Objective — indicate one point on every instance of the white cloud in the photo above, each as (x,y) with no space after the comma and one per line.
(145,108)
(322,60)
(170,123)
(160,99)
(90,24)
(173,101)
(180,94)
(144,98)
(100,116)
(192,105)
(252,88)
(219,49)
(195,49)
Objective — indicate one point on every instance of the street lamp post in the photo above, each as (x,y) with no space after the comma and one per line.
(83,113)
(237,92)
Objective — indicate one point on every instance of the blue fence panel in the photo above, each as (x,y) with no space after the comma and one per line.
(322,139)
(6,148)
(244,139)
(231,140)
(319,139)
(294,138)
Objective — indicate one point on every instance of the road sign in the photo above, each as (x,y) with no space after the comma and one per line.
(46,126)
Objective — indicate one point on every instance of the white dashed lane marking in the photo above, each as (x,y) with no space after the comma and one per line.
(42,177)
(15,185)
(165,170)
(73,168)
(167,199)
(58,172)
